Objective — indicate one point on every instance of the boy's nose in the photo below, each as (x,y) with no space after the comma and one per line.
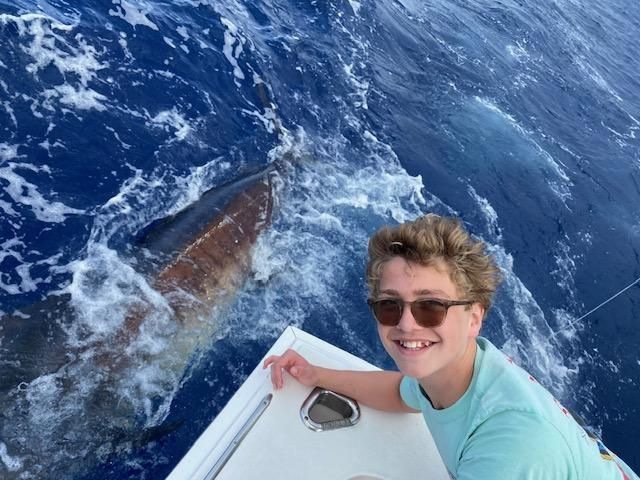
(407,321)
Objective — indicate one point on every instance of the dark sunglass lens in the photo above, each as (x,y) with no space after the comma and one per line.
(428,313)
(387,312)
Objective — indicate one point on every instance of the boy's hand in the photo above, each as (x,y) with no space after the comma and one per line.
(295,365)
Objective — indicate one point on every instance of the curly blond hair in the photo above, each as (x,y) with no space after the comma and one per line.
(431,239)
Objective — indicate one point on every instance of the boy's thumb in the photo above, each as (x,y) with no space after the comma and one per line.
(294,371)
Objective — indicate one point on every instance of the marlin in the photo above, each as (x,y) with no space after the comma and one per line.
(202,255)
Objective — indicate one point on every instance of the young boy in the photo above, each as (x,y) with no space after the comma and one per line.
(430,285)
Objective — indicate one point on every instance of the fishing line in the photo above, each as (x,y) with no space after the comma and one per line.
(570,324)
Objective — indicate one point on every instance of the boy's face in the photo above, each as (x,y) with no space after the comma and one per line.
(440,350)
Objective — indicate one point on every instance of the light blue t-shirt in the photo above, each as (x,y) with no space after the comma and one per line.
(508,427)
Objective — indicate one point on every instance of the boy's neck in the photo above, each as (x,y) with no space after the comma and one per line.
(450,385)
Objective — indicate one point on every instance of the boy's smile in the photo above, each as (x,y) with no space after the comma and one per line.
(440,357)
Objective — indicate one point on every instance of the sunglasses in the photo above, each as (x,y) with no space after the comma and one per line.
(428,312)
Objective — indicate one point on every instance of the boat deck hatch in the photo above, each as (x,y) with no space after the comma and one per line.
(327,410)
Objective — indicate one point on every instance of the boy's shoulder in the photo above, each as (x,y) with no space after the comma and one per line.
(502,386)
(506,396)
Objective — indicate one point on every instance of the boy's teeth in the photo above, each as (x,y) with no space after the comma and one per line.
(414,344)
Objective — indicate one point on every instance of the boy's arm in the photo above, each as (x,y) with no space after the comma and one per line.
(376,389)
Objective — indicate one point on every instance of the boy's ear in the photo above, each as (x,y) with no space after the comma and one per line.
(477,316)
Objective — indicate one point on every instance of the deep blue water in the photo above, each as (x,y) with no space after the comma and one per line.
(521,117)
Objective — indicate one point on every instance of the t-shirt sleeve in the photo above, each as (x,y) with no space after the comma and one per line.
(516,446)
(409,392)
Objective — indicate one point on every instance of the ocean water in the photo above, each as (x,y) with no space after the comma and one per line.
(520,117)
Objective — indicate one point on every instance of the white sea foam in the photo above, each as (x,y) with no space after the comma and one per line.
(170,120)
(124,145)
(355,6)
(182,31)
(51,43)
(104,290)
(10,111)
(622,139)
(360,84)
(565,324)
(613,367)
(233,37)
(527,71)
(8,209)
(489,214)
(47,145)
(529,336)
(25,193)
(11,248)
(122,41)
(566,268)
(8,152)
(133,14)
(80,59)
(51,408)
(489,105)
(267,118)
(586,237)
(81,98)
(596,77)
(396,193)
(324,220)
(13,463)
(20,280)
(518,52)
(198,181)
(32,22)
(122,207)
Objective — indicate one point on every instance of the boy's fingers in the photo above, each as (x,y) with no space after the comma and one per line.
(275,376)
(269,360)
(286,361)
(274,358)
